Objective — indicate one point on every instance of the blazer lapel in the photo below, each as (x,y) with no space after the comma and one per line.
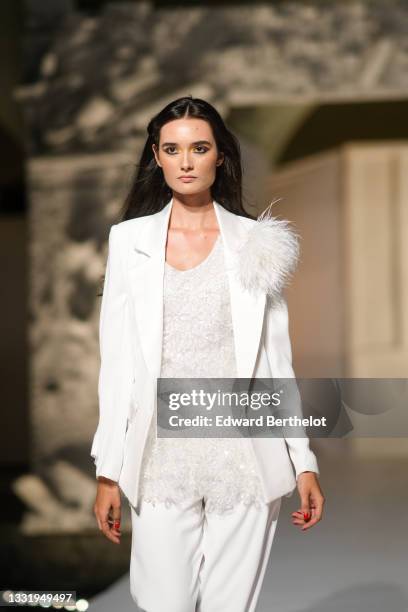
(146,274)
(247,310)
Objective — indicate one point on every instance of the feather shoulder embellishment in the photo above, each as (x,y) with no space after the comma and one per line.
(269,255)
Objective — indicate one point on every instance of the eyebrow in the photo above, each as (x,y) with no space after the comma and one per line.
(197,142)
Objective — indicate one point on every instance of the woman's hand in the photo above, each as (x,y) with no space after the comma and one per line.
(107,508)
(311,499)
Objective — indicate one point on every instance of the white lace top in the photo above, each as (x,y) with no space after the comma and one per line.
(198,342)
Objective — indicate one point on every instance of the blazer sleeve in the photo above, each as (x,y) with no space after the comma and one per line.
(116,366)
(279,350)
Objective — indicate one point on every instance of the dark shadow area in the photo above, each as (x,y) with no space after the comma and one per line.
(331,125)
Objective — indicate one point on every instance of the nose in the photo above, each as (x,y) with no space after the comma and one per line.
(186,163)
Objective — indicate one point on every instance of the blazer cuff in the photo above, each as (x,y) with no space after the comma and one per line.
(302,457)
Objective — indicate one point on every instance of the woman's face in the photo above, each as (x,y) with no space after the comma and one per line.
(187,148)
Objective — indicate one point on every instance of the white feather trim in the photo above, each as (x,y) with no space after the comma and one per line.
(269,255)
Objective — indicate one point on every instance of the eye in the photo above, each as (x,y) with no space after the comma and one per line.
(199,148)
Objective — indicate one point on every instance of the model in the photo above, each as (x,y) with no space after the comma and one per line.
(193,289)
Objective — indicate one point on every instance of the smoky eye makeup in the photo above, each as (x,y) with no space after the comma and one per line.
(202,146)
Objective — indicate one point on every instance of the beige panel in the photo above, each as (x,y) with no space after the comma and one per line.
(369,202)
(376,254)
(402,238)
(311,193)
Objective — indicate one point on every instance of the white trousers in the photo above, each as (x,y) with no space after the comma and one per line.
(188,561)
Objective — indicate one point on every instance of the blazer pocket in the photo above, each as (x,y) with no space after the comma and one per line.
(137,259)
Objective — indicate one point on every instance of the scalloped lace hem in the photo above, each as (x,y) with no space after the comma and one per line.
(214,506)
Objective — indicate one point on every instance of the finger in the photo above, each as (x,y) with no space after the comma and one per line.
(115,520)
(106,530)
(317,505)
(316,517)
(318,511)
(305,506)
(310,524)
(299,519)
(116,514)
(98,519)
(114,530)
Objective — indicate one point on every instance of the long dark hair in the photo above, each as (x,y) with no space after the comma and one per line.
(149,192)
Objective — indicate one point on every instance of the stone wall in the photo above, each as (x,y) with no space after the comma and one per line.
(105,76)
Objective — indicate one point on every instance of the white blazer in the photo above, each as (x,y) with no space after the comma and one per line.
(259,255)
